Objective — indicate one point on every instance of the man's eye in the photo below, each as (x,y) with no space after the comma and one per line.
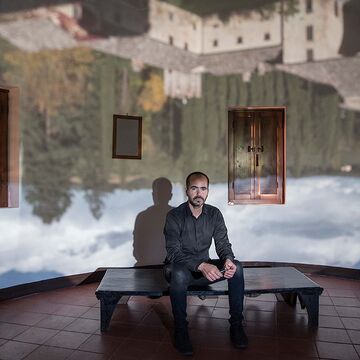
(203,189)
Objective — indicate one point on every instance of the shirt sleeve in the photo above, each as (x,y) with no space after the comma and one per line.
(222,243)
(175,254)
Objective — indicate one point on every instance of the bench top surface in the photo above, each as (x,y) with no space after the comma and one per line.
(125,281)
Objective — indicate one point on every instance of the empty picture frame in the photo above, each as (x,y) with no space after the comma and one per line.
(127,137)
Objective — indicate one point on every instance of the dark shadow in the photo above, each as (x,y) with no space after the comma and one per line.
(149,240)
(350,45)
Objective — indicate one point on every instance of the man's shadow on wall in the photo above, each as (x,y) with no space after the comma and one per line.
(149,241)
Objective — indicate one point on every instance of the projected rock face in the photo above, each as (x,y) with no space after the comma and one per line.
(80,63)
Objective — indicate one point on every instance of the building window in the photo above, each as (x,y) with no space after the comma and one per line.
(216,26)
(171,16)
(309,6)
(267,36)
(185,46)
(239,40)
(215,43)
(194,26)
(336,8)
(309,33)
(171,40)
(310,55)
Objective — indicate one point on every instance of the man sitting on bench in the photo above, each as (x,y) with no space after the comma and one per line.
(189,230)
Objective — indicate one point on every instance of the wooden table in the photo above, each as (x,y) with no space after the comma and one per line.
(287,282)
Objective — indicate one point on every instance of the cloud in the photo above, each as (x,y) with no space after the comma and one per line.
(318,224)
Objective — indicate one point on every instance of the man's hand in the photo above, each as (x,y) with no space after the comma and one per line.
(230,269)
(211,272)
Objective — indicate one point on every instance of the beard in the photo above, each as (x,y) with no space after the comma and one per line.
(197,201)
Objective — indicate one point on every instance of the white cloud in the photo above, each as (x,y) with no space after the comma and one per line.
(318,224)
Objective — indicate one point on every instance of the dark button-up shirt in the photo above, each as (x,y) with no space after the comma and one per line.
(188,239)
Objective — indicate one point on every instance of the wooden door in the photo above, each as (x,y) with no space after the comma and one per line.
(256,155)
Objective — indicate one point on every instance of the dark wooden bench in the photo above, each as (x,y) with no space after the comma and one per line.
(286,282)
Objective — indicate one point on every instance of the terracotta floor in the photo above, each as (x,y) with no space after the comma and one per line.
(64,324)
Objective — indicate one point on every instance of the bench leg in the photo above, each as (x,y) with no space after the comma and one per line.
(107,306)
(289,298)
(311,303)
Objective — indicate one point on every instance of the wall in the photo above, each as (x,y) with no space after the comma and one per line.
(80,209)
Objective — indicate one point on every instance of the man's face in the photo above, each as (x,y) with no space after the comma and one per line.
(197,191)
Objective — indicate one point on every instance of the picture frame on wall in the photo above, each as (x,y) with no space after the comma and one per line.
(127,137)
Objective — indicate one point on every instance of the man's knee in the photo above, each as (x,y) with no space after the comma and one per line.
(179,276)
(239,269)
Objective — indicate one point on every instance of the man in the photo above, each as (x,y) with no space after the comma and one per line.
(189,230)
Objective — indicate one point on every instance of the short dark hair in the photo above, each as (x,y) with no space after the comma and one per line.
(196,174)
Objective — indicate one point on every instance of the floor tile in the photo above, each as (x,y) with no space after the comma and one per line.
(101,344)
(128,316)
(357,348)
(346,311)
(69,340)
(27,318)
(341,293)
(194,300)
(328,310)
(49,353)
(336,351)
(83,325)
(330,321)
(71,310)
(260,305)
(9,331)
(332,335)
(264,316)
(152,333)
(221,313)
(297,347)
(82,355)
(346,301)
(36,335)
(136,349)
(354,336)
(203,311)
(325,300)
(55,322)
(93,313)
(13,350)
(166,351)
(351,323)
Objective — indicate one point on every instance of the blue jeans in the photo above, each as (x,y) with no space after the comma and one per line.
(179,278)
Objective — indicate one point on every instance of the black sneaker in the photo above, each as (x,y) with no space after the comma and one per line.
(182,342)
(238,337)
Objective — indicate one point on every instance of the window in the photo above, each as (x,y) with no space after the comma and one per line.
(171,40)
(309,33)
(185,46)
(216,26)
(310,55)
(256,155)
(171,16)
(309,6)
(9,147)
(215,43)
(194,26)
(267,36)
(336,8)
(239,40)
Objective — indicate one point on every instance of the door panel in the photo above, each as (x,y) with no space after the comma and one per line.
(256,155)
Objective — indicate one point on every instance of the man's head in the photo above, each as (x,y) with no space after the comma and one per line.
(197,188)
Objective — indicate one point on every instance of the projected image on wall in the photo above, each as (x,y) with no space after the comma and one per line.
(179,65)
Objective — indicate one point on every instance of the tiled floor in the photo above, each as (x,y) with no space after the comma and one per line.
(64,324)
